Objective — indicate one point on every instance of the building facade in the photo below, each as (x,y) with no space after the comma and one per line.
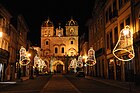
(110,18)
(136,27)
(14,35)
(5,17)
(58,45)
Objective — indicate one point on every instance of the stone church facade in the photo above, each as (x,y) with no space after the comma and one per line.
(58,45)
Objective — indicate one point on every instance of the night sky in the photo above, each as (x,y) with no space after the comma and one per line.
(59,11)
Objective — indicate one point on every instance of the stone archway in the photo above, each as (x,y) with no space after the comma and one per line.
(58,66)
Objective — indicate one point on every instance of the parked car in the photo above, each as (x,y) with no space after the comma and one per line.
(80,74)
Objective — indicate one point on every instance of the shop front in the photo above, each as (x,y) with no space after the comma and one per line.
(4,56)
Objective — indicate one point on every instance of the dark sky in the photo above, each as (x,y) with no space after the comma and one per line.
(59,11)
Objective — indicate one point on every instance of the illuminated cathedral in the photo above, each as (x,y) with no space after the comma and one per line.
(59,45)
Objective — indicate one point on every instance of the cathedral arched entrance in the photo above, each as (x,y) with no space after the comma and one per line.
(58,66)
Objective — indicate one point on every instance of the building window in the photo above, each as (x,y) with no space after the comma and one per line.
(56,50)
(101,21)
(115,12)
(125,1)
(114,5)
(128,21)
(62,49)
(106,16)
(120,3)
(96,29)
(116,34)
(71,42)
(47,42)
(121,26)
(111,41)
(107,41)
(110,13)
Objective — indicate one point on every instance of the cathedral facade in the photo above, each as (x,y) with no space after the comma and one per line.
(59,46)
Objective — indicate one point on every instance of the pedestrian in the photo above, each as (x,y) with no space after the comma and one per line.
(36,71)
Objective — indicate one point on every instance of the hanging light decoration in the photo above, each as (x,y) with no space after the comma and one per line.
(91,60)
(80,62)
(24,58)
(73,63)
(124,50)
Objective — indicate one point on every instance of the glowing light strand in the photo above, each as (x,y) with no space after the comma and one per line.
(124,45)
(91,60)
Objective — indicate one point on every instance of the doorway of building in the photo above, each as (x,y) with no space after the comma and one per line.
(59,68)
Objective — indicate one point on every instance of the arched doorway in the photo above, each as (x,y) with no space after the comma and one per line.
(58,66)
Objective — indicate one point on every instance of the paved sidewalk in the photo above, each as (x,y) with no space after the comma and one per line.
(125,85)
(26,86)
(59,84)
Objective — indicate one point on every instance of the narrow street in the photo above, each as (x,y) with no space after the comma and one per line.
(58,83)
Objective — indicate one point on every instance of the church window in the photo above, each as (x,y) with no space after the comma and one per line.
(62,49)
(56,50)
(47,42)
(71,42)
